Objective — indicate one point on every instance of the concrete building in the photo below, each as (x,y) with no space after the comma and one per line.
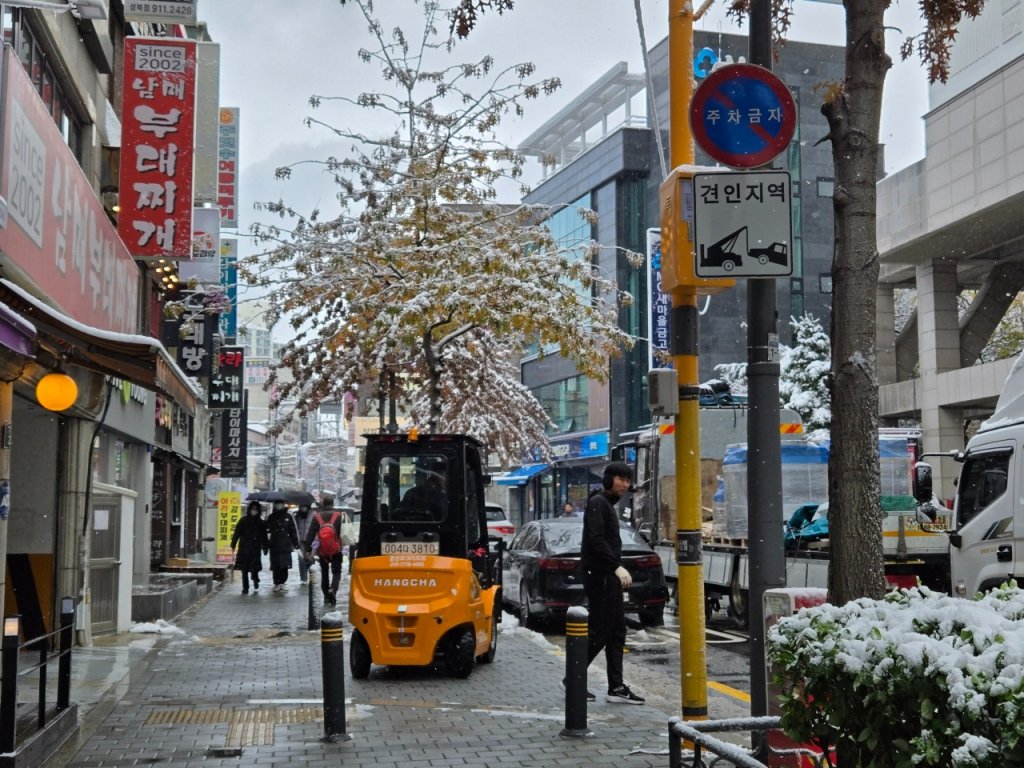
(605,155)
(950,223)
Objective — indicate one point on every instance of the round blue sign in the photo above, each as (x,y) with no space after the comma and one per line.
(743,116)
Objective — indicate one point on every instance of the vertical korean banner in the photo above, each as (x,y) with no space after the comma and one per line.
(229,283)
(205,263)
(227,167)
(229,509)
(227,385)
(233,442)
(658,323)
(157,136)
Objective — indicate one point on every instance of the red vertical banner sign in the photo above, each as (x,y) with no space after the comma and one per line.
(157,138)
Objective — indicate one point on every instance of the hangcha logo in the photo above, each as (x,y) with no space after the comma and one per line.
(405,582)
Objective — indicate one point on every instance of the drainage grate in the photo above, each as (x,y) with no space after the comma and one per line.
(224,752)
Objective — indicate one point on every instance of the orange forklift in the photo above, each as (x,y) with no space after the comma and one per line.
(426,580)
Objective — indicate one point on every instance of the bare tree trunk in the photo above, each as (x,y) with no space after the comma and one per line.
(855,513)
(434,382)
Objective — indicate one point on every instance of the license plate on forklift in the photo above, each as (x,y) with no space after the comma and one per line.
(409,547)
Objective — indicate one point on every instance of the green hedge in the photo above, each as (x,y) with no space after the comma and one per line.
(915,679)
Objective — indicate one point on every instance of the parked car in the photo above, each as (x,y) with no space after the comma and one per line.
(498,523)
(543,575)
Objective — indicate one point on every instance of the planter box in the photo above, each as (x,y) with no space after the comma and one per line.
(168,595)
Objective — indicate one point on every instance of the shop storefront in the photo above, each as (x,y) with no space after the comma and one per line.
(539,490)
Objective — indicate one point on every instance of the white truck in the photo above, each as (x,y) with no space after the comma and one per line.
(989,500)
(912,551)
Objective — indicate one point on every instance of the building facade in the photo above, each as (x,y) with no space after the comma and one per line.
(606,158)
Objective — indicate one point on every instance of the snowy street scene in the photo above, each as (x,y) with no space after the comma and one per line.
(511,383)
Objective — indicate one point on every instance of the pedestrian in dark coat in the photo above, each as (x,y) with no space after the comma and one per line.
(303,516)
(283,540)
(251,538)
(606,578)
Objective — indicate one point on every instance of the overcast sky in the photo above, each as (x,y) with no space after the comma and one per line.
(275,55)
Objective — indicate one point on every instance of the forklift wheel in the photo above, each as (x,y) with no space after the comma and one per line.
(359,658)
(488,657)
(459,659)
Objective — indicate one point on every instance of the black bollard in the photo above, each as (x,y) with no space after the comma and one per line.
(67,624)
(9,683)
(576,639)
(311,574)
(332,652)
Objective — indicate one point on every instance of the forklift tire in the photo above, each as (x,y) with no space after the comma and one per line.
(459,658)
(492,649)
(359,657)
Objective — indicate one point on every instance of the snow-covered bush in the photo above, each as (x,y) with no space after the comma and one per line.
(915,679)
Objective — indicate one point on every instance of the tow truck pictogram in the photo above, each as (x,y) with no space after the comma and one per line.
(723,254)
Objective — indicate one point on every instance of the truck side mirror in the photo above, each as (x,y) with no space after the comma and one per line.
(923,482)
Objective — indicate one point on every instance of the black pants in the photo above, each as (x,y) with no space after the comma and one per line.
(280,575)
(335,566)
(245,579)
(607,623)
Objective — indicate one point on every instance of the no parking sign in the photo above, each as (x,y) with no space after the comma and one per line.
(743,116)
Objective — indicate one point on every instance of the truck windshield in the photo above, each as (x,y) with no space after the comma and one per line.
(982,481)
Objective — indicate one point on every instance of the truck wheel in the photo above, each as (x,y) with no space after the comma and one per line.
(728,266)
(359,657)
(654,617)
(738,608)
(459,658)
(488,657)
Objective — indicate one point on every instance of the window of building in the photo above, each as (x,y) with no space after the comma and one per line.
(566,403)
(35,60)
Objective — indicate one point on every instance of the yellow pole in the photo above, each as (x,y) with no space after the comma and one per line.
(692,651)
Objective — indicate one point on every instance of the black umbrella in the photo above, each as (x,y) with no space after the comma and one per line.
(298,498)
(270,496)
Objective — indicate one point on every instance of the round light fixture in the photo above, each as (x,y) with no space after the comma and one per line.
(56,391)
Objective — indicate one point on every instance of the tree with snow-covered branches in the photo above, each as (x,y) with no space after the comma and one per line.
(422,273)
(804,373)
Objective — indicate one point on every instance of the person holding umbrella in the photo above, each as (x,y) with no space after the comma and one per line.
(283,539)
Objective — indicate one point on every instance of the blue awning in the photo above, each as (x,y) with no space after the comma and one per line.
(521,475)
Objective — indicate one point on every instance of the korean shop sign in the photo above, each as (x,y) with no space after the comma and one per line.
(161,11)
(57,232)
(227,384)
(157,138)
(227,168)
(194,334)
(233,442)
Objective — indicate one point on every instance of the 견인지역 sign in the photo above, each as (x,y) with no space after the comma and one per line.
(742,224)
(742,115)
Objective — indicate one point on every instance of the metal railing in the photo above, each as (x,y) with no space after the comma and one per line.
(10,654)
(727,753)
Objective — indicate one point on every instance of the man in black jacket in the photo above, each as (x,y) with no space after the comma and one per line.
(606,579)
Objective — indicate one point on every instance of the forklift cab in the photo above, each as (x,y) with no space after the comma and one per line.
(423,496)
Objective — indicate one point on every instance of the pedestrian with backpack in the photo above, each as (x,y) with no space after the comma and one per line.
(325,530)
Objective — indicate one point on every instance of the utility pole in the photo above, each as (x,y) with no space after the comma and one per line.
(679,278)
(767,560)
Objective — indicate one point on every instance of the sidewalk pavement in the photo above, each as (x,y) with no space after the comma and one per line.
(242,672)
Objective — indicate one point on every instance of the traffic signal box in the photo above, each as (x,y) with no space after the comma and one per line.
(677,258)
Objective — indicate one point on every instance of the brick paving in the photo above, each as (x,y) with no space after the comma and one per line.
(246,675)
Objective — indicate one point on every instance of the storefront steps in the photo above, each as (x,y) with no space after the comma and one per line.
(34,744)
